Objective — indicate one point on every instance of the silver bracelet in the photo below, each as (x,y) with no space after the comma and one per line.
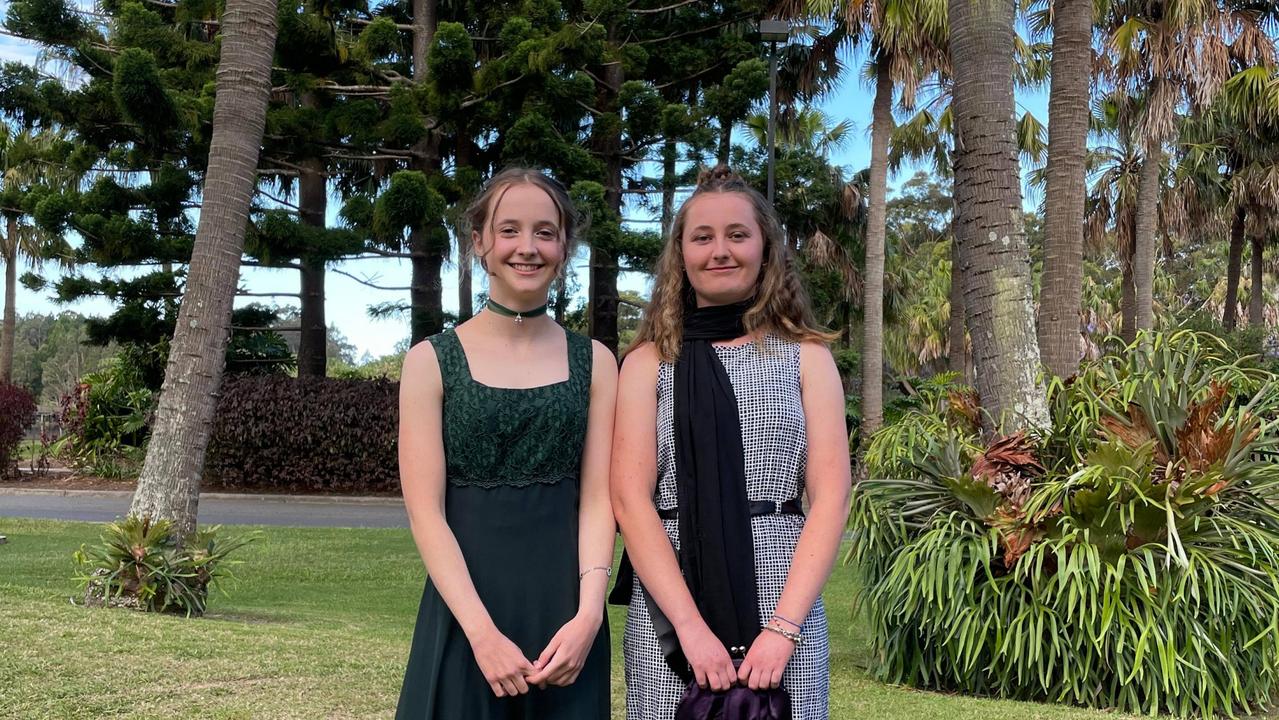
(793,637)
(608,571)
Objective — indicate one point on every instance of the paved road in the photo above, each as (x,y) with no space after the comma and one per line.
(214,509)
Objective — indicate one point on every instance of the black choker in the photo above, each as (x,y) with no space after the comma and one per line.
(519,316)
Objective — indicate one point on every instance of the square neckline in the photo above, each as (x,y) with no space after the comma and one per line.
(470,376)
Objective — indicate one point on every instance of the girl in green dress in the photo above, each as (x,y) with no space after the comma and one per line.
(505,431)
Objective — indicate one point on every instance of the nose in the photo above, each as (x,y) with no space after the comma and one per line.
(719,250)
(526,247)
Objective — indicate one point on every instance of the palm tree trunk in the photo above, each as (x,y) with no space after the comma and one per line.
(1256,297)
(997,285)
(1061,291)
(873,280)
(10,325)
(169,485)
(1127,302)
(957,343)
(1234,268)
(1143,261)
(312,206)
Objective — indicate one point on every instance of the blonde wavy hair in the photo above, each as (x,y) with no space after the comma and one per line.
(781,306)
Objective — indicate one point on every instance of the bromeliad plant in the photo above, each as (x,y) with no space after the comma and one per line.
(1126,557)
(141,564)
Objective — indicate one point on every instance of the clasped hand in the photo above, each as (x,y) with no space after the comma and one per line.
(713,667)
(509,673)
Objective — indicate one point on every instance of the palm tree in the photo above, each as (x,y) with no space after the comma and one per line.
(907,44)
(1062,279)
(993,254)
(1172,55)
(27,159)
(169,484)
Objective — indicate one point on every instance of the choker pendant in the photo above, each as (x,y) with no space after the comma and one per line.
(518,316)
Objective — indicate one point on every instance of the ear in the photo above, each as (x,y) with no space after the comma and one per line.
(477,246)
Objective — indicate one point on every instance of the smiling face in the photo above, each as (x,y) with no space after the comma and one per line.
(723,248)
(522,245)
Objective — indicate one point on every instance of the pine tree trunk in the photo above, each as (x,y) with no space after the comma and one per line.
(1143,261)
(426,301)
(603,276)
(465,295)
(169,485)
(1256,296)
(10,326)
(873,277)
(1234,268)
(312,206)
(997,282)
(1061,292)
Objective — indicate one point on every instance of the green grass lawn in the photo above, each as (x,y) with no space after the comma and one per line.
(316,626)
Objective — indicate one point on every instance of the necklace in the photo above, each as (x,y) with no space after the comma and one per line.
(518,315)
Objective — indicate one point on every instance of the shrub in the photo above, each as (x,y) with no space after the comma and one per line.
(106,419)
(1127,556)
(308,434)
(17,413)
(140,564)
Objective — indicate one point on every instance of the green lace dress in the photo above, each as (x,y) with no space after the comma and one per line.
(513,461)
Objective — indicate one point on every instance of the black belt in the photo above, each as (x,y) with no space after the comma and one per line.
(757,507)
(621,594)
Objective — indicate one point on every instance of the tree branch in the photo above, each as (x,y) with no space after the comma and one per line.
(648,11)
(368,283)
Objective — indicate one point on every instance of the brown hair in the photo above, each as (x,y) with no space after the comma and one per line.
(479,213)
(780,306)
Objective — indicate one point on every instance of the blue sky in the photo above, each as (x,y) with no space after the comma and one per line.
(347,300)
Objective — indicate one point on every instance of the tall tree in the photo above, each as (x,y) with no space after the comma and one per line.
(169,484)
(28,159)
(1174,56)
(1061,286)
(989,225)
(907,40)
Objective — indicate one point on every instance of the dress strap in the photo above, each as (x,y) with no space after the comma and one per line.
(581,358)
(451,359)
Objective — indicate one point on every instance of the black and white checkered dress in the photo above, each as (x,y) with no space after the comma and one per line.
(767,385)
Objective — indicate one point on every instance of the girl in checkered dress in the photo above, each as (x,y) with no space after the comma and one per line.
(731,414)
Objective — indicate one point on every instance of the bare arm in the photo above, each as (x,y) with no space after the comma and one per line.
(562,660)
(829,481)
(634,478)
(422,479)
(596,527)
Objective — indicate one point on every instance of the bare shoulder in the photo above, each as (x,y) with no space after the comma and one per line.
(421,368)
(603,359)
(816,359)
(641,363)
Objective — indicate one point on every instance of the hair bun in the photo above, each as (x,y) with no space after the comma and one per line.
(718,175)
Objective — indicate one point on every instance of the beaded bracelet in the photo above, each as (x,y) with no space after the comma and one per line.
(608,571)
(796,625)
(793,637)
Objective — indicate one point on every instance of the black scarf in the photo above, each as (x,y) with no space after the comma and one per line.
(717,554)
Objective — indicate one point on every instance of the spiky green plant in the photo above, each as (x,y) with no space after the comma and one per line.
(1126,557)
(141,564)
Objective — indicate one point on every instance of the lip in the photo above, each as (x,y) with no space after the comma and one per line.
(537,268)
(722,269)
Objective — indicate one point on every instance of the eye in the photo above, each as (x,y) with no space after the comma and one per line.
(547,234)
(738,235)
(508,230)
(701,238)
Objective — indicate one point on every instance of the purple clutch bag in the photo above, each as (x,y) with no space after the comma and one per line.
(736,703)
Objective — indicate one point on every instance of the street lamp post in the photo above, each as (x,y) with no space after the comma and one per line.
(772,32)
